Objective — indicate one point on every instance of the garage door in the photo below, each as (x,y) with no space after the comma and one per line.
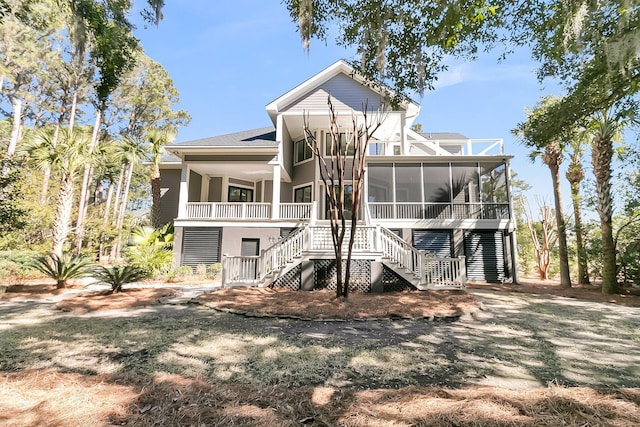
(485,256)
(434,241)
(201,245)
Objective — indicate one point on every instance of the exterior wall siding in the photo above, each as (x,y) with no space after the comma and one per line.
(215,189)
(195,183)
(345,92)
(170,193)
(232,238)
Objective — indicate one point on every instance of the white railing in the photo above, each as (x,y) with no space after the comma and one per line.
(281,253)
(445,272)
(399,252)
(296,211)
(240,269)
(425,268)
(254,269)
(228,210)
(321,239)
(443,210)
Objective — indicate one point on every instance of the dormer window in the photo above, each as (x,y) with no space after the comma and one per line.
(302,151)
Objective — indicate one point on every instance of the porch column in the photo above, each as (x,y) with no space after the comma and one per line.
(183,197)
(403,134)
(275,197)
(204,188)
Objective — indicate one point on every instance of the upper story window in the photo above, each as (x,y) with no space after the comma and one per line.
(302,194)
(239,194)
(343,139)
(302,151)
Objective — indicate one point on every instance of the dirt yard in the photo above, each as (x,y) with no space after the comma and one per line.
(142,359)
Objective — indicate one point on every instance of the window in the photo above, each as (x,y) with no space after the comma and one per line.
(302,151)
(302,194)
(345,142)
(348,202)
(239,194)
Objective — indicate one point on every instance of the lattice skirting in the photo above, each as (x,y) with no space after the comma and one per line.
(392,282)
(291,280)
(325,275)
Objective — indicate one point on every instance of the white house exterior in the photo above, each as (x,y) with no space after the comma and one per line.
(436,205)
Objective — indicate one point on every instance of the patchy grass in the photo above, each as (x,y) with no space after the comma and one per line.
(189,365)
(64,399)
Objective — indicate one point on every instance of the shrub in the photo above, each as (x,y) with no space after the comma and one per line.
(119,275)
(63,268)
(179,273)
(215,270)
(151,250)
(201,270)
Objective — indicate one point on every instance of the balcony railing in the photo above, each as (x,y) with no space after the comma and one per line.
(442,210)
(243,211)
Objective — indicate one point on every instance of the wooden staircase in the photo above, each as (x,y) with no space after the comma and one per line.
(420,268)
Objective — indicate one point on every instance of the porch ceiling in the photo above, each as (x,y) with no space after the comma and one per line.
(241,170)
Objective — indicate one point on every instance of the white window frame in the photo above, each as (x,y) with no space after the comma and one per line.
(297,187)
(295,152)
(232,184)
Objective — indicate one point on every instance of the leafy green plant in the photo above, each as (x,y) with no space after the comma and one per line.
(150,249)
(215,270)
(201,270)
(63,268)
(180,273)
(119,275)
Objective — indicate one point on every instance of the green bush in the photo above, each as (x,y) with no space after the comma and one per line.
(119,275)
(215,270)
(63,268)
(17,264)
(201,270)
(179,273)
(151,250)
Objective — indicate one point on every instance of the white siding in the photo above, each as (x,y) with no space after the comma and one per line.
(346,93)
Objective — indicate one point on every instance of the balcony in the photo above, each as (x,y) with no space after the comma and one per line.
(247,211)
(417,210)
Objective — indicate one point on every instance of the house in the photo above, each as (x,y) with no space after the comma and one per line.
(436,210)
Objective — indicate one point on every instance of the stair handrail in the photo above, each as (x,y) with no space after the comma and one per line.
(281,252)
(402,253)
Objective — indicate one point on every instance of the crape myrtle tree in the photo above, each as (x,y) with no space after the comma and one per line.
(543,234)
(344,158)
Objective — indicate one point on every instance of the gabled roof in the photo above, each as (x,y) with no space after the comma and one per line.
(262,137)
(341,66)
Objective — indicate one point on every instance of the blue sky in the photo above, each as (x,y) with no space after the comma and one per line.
(230,59)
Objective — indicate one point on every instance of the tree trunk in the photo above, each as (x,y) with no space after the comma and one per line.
(553,158)
(47,171)
(64,207)
(116,203)
(83,203)
(16,124)
(115,250)
(583,270)
(602,153)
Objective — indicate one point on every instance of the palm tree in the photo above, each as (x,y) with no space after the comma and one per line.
(158,138)
(575,175)
(550,149)
(604,129)
(66,158)
(130,152)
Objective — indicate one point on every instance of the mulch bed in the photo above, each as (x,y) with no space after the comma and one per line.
(322,304)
